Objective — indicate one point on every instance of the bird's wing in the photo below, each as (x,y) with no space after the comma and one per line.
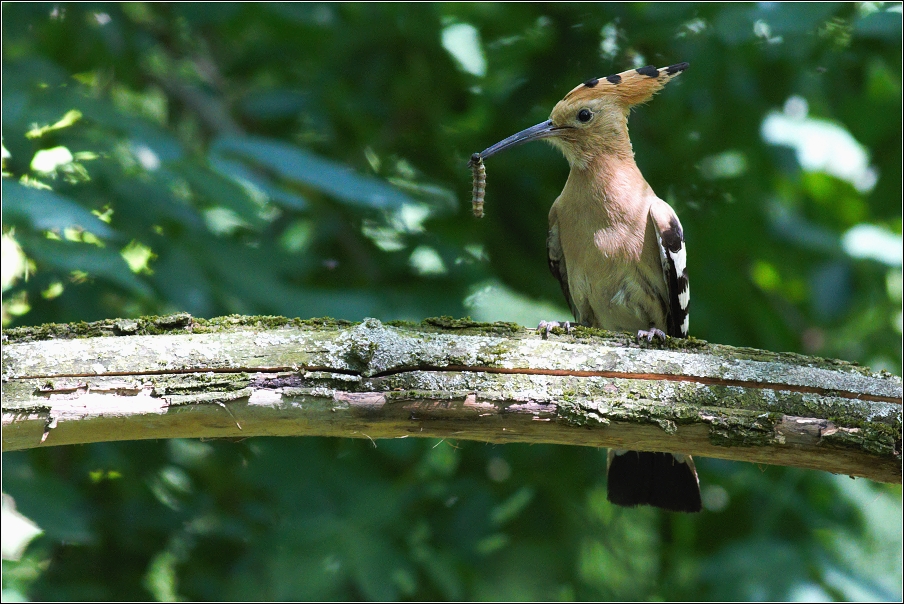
(557,263)
(670,238)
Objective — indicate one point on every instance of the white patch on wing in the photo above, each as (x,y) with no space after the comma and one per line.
(684,297)
(685,324)
(680,260)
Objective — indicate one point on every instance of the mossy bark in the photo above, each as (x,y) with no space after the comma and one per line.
(169,377)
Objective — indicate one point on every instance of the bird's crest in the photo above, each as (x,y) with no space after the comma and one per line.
(628,87)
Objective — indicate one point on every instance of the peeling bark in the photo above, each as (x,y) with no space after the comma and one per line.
(178,377)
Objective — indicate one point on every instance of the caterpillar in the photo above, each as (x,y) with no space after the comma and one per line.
(479,172)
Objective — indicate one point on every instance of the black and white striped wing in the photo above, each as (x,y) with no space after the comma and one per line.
(673,254)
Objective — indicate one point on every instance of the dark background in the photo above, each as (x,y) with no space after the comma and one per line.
(309,160)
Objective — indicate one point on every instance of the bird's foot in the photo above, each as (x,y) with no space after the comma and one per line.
(650,334)
(547,326)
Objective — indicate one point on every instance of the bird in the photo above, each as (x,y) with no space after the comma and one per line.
(618,252)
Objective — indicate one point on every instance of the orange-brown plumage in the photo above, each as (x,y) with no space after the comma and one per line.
(629,87)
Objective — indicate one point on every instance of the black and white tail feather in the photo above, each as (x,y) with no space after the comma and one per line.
(674,269)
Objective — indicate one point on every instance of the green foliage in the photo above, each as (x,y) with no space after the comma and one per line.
(309,160)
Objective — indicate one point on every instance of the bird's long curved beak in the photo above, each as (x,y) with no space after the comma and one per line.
(542,130)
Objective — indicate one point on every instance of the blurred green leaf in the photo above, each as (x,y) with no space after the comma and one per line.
(105,263)
(220,191)
(43,209)
(241,173)
(304,167)
(883,24)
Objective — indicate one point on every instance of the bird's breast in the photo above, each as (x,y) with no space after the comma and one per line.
(614,271)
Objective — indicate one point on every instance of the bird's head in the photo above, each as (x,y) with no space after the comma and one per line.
(592,118)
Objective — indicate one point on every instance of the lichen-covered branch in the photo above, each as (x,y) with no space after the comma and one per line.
(177,376)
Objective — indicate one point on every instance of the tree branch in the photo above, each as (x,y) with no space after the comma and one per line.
(181,377)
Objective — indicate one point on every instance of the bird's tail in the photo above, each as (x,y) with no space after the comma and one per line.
(663,480)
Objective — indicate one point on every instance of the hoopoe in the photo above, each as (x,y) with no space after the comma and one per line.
(618,252)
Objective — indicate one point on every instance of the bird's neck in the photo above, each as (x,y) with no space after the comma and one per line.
(609,184)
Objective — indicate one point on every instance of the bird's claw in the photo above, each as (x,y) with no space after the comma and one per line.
(653,332)
(547,327)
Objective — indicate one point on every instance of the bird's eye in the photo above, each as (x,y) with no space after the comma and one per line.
(585,115)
